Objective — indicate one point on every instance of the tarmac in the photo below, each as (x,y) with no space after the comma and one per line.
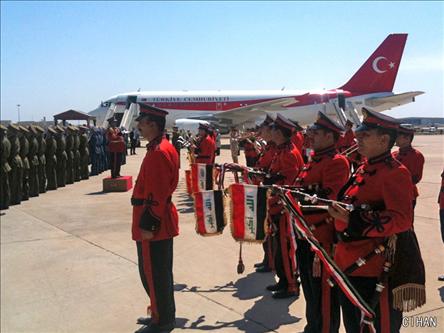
(68,264)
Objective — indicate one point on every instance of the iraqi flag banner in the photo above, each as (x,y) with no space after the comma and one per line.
(210,214)
(248,212)
(201,177)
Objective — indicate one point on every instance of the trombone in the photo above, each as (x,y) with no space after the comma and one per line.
(350,150)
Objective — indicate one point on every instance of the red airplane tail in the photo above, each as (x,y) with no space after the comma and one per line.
(378,74)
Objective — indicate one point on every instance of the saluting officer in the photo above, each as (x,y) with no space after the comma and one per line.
(5,191)
(381,191)
(283,170)
(51,158)
(84,152)
(24,151)
(324,175)
(42,159)
(155,219)
(410,157)
(205,149)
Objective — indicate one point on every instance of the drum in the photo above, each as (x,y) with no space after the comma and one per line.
(248,212)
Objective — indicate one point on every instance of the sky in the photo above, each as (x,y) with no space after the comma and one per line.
(65,55)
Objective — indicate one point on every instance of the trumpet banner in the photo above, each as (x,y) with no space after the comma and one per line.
(209,211)
(248,212)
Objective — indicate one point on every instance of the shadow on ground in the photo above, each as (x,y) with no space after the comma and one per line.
(267,314)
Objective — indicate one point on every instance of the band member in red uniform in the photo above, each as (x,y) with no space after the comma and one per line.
(116,146)
(155,220)
(324,176)
(263,164)
(206,148)
(251,150)
(411,158)
(381,193)
(298,136)
(266,156)
(284,169)
(347,139)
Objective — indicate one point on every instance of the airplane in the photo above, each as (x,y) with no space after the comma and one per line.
(371,87)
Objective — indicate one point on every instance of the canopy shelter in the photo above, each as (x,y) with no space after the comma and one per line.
(74,115)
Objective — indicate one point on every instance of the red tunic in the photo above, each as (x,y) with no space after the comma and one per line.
(287,162)
(205,152)
(386,186)
(116,143)
(266,157)
(156,182)
(298,140)
(329,171)
(413,160)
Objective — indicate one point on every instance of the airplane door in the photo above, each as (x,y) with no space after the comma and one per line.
(129,100)
(341,101)
(218,106)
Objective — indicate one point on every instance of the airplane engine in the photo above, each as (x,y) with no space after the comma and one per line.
(189,124)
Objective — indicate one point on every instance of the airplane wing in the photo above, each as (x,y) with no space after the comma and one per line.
(247,113)
(392,101)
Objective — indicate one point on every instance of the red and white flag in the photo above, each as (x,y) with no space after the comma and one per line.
(248,212)
(209,211)
(201,177)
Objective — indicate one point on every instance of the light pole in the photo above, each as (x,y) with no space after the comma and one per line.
(18,112)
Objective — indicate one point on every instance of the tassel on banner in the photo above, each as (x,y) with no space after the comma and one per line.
(240,265)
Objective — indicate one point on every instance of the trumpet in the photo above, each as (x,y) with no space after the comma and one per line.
(350,150)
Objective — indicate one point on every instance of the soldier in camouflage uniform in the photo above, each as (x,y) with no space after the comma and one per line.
(70,153)
(33,158)
(51,159)
(5,191)
(24,152)
(42,159)
(84,152)
(16,164)
(76,161)
(62,157)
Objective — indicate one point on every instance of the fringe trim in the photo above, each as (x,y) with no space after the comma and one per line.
(408,297)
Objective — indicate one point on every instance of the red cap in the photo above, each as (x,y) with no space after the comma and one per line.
(283,122)
(325,122)
(373,119)
(148,110)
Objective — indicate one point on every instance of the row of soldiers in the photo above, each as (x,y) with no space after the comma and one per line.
(35,160)
(374,244)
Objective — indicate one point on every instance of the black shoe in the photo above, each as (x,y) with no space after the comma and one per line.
(274,287)
(144,320)
(155,328)
(279,294)
(441,278)
(259,264)
(263,269)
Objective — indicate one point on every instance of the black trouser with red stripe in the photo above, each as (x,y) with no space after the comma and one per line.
(116,162)
(156,272)
(321,301)
(386,316)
